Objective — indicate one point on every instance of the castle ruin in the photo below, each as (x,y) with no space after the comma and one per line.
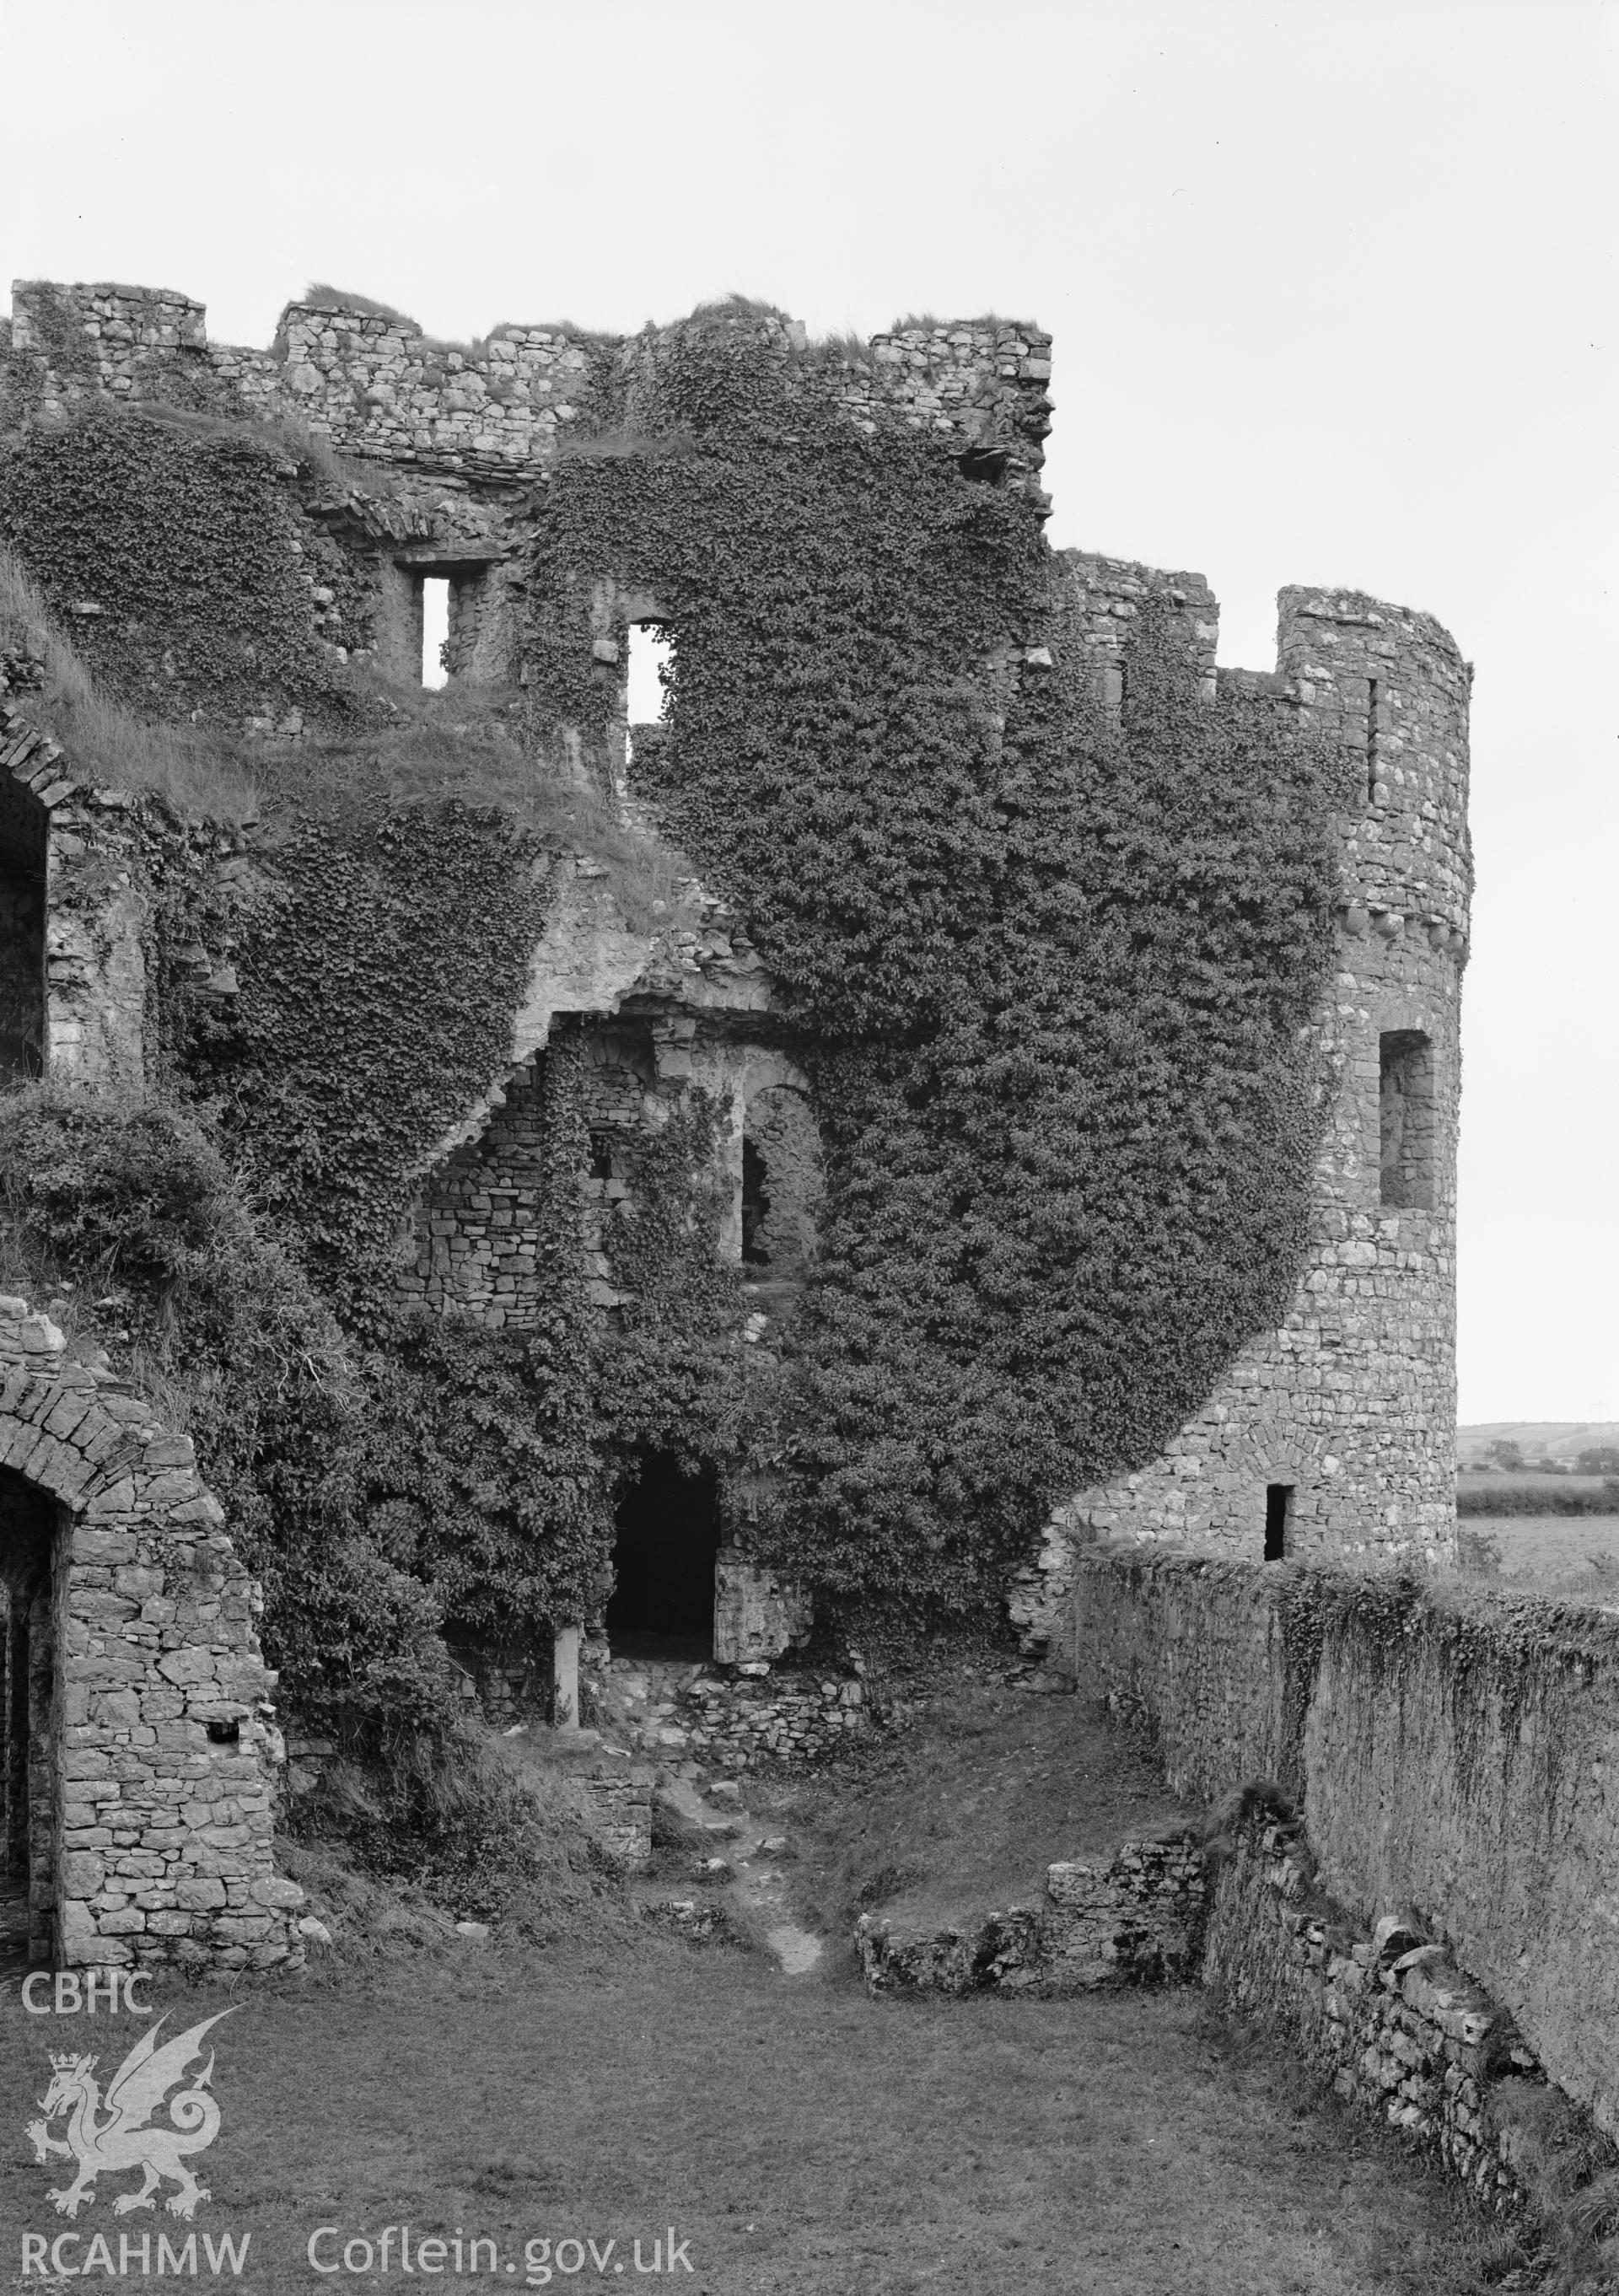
(1329,1431)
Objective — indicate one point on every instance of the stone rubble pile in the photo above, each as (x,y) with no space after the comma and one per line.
(1137,1921)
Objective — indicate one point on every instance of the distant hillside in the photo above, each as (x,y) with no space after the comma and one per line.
(1537,1439)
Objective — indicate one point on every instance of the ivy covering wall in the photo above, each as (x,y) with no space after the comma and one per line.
(175,549)
(1050,970)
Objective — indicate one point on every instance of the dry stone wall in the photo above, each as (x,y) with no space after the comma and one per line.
(1388,2018)
(1348,1409)
(1137,1921)
(153,1748)
(1458,1762)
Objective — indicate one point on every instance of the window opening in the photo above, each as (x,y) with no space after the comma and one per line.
(1405,1119)
(755,1206)
(1278,1512)
(986,466)
(1371,741)
(665,1545)
(651,664)
(435,630)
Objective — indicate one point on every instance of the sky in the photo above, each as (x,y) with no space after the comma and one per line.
(1332,284)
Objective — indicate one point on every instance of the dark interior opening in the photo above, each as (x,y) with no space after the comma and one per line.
(663,1555)
(986,466)
(27,1793)
(22,872)
(1279,1506)
(755,1206)
(1371,739)
(1405,1119)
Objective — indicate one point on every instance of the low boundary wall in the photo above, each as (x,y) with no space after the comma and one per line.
(1454,1753)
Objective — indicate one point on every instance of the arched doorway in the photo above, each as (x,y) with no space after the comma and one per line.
(127,1632)
(28,1734)
(664,1549)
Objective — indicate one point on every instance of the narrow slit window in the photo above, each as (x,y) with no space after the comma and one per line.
(755,1206)
(651,665)
(1278,1513)
(435,630)
(1405,1119)
(1371,741)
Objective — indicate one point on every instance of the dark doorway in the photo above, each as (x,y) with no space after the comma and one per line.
(27,1755)
(1279,1507)
(663,1556)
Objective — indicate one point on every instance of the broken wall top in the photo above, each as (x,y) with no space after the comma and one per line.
(375,385)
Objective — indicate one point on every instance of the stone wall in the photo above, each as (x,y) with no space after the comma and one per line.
(76,866)
(789,1716)
(376,386)
(1348,1408)
(1137,1921)
(1459,1760)
(476,1246)
(151,1752)
(1390,2019)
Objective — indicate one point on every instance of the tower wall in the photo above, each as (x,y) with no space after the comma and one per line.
(1349,1406)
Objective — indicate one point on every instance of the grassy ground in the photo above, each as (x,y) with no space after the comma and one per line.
(962,1813)
(800,2138)
(1575,1557)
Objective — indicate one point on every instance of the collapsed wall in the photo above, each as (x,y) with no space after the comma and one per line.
(497,410)
(1455,1761)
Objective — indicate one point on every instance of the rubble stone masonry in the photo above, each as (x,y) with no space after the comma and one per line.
(375,385)
(146,1735)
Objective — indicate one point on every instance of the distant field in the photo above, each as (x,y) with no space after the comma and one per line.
(1574,1556)
(1526,1495)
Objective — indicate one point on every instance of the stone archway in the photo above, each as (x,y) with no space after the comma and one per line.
(139,1730)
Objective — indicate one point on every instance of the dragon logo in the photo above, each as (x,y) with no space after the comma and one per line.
(125,2138)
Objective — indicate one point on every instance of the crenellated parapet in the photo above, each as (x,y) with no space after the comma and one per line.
(1335,1431)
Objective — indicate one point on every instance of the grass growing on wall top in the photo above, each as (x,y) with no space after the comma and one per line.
(106,742)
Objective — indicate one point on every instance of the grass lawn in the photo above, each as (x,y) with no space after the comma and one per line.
(962,1812)
(1575,1557)
(799,2136)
